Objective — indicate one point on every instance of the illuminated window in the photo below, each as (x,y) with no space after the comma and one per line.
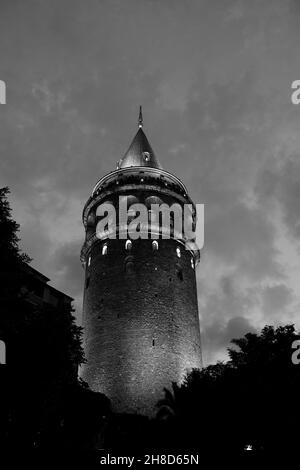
(89,261)
(146,156)
(192,263)
(128,245)
(154,245)
(2,352)
(104,249)
(178,252)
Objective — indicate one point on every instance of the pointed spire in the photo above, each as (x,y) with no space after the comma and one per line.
(141,122)
(140,152)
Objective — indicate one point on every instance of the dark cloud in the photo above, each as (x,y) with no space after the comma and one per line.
(245,237)
(69,272)
(217,337)
(68,267)
(276,299)
(281,184)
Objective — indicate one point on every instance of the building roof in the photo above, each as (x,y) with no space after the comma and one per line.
(140,152)
(34,274)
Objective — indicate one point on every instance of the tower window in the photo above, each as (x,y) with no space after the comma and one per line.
(129,267)
(128,245)
(104,249)
(178,252)
(179,274)
(87,282)
(192,263)
(89,261)
(154,245)
(153,342)
(146,156)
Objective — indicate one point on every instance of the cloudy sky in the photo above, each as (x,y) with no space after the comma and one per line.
(214,78)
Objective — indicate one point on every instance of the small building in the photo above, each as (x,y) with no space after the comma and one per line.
(37,292)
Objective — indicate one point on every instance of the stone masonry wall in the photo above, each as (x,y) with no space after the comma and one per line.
(141,321)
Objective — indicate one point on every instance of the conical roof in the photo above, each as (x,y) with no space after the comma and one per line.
(140,152)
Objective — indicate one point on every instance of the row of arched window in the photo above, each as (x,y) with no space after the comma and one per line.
(128,247)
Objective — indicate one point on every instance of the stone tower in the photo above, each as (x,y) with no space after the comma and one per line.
(140,313)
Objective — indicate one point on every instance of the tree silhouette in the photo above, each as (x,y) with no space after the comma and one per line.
(248,402)
(39,384)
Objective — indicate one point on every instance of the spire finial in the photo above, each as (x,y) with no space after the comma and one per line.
(141,123)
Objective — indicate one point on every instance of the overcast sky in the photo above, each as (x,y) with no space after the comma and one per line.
(214,78)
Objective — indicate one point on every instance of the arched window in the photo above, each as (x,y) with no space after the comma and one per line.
(2,352)
(128,200)
(129,266)
(104,249)
(91,219)
(152,200)
(178,252)
(146,156)
(128,245)
(154,245)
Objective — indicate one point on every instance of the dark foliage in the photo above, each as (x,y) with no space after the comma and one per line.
(248,402)
(43,406)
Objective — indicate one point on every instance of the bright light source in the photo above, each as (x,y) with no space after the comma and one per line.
(248,447)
